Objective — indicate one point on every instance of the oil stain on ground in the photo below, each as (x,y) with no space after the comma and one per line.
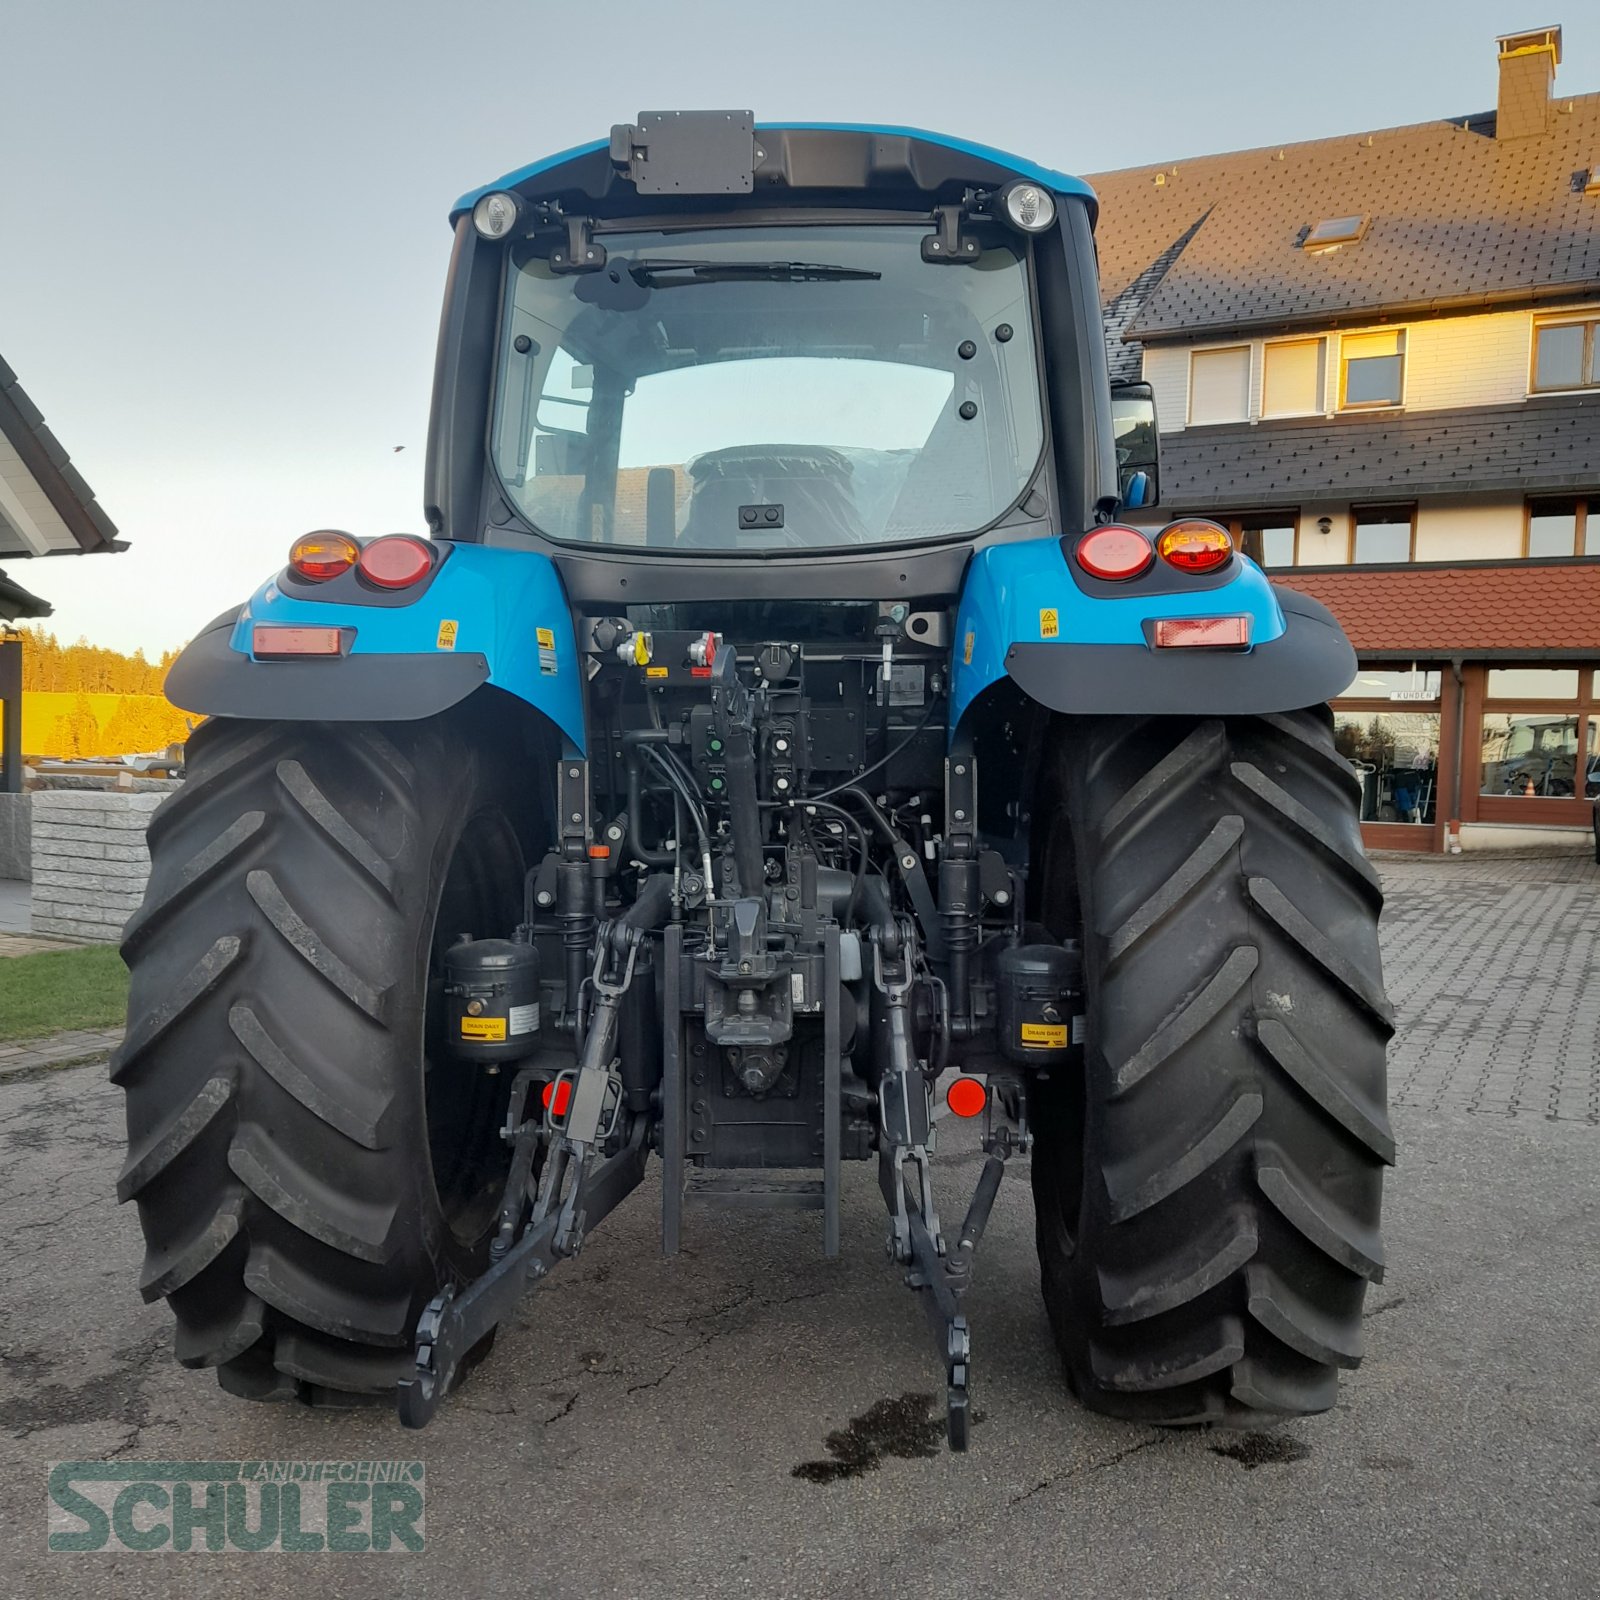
(1252,1450)
(901,1428)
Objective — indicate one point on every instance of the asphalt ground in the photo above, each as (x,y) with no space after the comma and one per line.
(749,1419)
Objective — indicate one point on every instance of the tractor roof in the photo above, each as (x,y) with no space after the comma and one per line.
(812,155)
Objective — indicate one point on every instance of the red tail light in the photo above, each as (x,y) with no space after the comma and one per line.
(323,555)
(1194,545)
(1114,552)
(396,561)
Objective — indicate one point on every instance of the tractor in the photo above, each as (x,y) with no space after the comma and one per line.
(795,728)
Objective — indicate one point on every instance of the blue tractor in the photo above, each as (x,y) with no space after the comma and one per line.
(781,729)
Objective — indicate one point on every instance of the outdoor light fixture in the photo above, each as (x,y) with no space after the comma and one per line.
(1029,206)
(1324,525)
(495,215)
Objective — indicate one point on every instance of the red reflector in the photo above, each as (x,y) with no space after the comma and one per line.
(1114,552)
(699,672)
(557,1097)
(1215,633)
(396,561)
(267,640)
(967,1097)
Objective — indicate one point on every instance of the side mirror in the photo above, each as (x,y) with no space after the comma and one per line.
(1133,425)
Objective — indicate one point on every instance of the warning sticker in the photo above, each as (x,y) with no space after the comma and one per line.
(483,1027)
(1049,623)
(966,648)
(657,672)
(447,634)
(1052,1035)
(547,650)
(525,1019)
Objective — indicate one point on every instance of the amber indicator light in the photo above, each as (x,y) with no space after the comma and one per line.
(320,556)
(1194,545)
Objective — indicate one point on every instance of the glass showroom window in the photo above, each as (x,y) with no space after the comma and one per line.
(1538,733)
(1386,726)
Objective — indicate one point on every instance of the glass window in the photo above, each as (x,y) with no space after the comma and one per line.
(1266,537)
(1566,355)
(1591,767)
(1219,385)
(1333,231)
(1277,546)
(1533,683)
(1373,368)
(1383,533)
(1552,527)
(819,369)
(1529,753)
(1383,683)
(1291,383)
(1395,754)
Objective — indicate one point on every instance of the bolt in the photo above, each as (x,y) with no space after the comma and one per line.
(545,898)
(908,861)
(614,831)
(1002,897)
(961,770)
(960,816)
(577,816)
(572,772)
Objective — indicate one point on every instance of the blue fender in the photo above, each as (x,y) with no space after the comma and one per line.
(486,616)
(1022,615)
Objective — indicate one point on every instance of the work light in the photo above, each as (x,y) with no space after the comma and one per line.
(1029,207)
(495,215)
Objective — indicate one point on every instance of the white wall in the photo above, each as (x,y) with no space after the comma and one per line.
(1331,549)
(1468,530)
(1450,361)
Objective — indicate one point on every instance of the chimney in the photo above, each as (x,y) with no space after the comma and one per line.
(1528,63)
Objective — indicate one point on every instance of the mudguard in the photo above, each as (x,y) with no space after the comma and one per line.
(1023,615)
(486,616)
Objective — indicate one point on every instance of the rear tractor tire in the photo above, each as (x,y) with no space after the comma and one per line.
(309,1171)
(1208,1189)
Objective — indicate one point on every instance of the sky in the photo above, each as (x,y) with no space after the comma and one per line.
(223,229)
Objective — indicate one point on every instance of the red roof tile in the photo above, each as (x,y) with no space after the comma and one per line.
(1533,606)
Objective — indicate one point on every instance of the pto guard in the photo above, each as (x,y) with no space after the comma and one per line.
(1023,616)
(488,616)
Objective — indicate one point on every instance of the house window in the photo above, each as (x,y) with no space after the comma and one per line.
(1267,537)
(1384,533)
(1562,527)
(1566,355)
(1371,369)
(1292,377)
(1219,385)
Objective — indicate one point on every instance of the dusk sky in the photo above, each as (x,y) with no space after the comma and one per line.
(223,228)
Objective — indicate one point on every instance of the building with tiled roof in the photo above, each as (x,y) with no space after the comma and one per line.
(1377,359)
(46,509)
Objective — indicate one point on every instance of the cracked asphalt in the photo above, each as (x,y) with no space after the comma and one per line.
(751,1420)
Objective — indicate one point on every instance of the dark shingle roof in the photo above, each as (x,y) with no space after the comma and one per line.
(16,602)
(1538,446)
(1457,219)
(37,470)
(1494,610)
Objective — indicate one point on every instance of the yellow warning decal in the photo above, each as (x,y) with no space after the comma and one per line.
(483,1027)
(966,648)
(656,672)
(1051,1034)
(447,635)
(546,637)
(1049,623)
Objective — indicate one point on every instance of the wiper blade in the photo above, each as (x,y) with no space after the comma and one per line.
(663,270)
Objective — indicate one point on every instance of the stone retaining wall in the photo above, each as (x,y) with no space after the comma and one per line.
(89,860)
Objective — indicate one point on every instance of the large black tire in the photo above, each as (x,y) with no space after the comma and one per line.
(308,1169)
(1208,1189)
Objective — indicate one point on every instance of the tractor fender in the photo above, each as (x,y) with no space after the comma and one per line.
(486,616)
(1023,616)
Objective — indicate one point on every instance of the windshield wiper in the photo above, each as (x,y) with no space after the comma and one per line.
(663,270)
